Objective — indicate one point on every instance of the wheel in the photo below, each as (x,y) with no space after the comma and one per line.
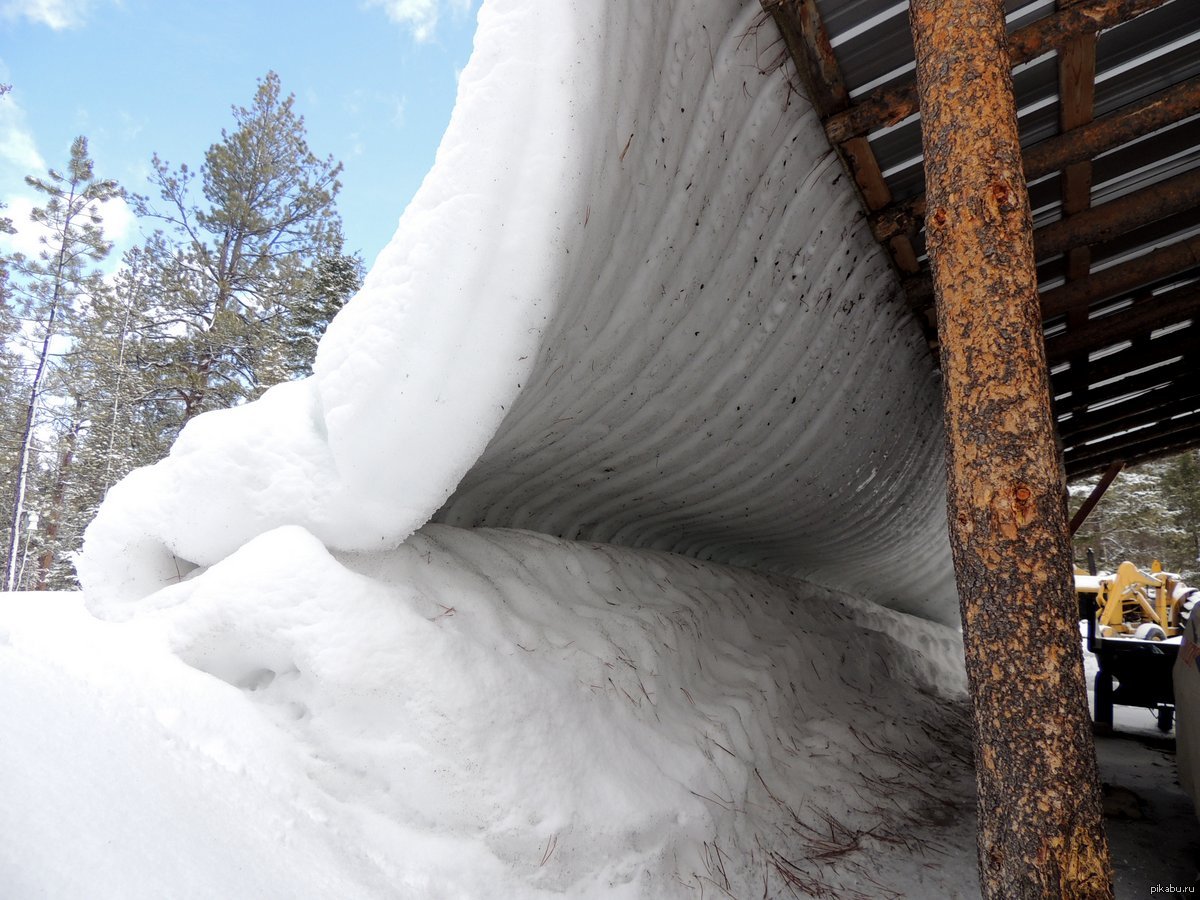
(1148,631)
(1103,715)
(1166,718)
(1188,603)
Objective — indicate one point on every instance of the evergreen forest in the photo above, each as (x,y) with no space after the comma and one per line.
(239,267)
(1151,511)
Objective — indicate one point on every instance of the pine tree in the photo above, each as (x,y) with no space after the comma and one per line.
(228,297)
(1151,511)
(1181,485)
(102,426)
(233,264)
(47,288)
(331,282)
(13,387)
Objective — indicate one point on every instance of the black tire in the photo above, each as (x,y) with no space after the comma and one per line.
(1103,714)
(1190,599)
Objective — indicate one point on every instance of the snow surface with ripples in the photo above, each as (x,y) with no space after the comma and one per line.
(561,575)
(634,301)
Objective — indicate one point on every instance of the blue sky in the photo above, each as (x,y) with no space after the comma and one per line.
(374,80)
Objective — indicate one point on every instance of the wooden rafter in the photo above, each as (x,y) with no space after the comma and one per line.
(1149,442)
(1143,381)
(807,41)
(1101,135)
(1124,278)
(1143,409)
(1102,223)
(1144,316)
(1136,247)
(1148,446)
(1140,354)
(1076,102)
(894,103)
(804,32)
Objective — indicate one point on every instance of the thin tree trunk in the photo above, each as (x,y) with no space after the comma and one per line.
(18,507)
(18,510)
(116,405)
(1040,827)
(57,501)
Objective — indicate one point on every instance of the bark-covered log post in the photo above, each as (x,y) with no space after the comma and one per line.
(1041,830)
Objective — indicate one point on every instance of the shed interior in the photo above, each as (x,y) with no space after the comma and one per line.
(1108,98)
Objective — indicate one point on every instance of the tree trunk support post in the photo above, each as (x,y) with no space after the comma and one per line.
(1041,830)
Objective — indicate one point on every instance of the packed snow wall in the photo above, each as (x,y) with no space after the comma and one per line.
(634,302)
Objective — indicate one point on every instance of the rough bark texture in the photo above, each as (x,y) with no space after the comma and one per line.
(1040,828)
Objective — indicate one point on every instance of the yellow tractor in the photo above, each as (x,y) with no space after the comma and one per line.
(1149,606)
(1134,622)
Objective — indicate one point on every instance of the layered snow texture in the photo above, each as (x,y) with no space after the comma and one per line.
(633,302)
(481,713)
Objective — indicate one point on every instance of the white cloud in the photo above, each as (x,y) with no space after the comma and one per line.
(18,149)
(58,14)
(117,220)
(419,16)
(27,240)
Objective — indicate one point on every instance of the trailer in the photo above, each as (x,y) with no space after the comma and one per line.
(1135,621)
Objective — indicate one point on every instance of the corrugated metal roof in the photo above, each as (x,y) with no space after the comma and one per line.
(1151,45)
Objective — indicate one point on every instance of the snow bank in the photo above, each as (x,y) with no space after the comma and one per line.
(633,302)
(480,713)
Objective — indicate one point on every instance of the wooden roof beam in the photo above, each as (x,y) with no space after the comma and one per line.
(1076,92)
(804,34)
(1152,407)
(1105,222)
(1122,125)
(1123,278)
(1143,445)
(803,31)
(1143,316)
(1086,142)
(1144,381)
(1142,353)
(890,104)
(1108,283)
(1076,102)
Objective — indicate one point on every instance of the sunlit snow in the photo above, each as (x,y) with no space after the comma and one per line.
(634,301)
(562,574)
(479,713)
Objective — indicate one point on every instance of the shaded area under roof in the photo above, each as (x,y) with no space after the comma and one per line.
(1108,99)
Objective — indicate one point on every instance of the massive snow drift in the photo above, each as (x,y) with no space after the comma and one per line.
(480,713)
(634,305)
(633,302)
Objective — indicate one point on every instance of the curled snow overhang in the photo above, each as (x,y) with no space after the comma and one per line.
(634,301)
